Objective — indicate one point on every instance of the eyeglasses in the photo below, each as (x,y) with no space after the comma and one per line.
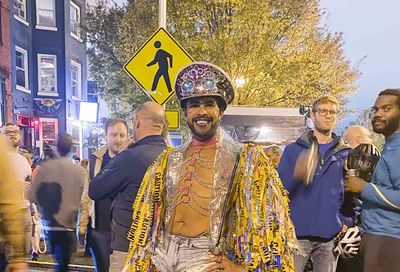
(324,112)
(12,132)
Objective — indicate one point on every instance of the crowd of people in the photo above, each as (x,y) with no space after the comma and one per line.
(212,204)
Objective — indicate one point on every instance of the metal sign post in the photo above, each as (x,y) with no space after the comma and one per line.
(162,13)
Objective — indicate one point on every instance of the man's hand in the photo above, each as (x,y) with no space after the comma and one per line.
(223,264)
(17,267)
(342,232)
(305,167)
(126,143)
(354,184)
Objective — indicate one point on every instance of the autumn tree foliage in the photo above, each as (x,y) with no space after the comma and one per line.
(276,51)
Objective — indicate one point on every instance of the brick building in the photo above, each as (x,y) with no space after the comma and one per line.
(6,109)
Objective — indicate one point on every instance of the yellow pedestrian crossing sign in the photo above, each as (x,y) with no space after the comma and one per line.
(156,64)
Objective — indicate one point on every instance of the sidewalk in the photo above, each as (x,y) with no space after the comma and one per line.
(78,263)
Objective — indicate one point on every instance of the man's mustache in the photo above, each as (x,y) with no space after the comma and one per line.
(202,118)
(377,120)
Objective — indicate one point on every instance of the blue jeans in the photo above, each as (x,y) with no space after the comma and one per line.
(99,243)
(63,244)
(182,254)
(321,253)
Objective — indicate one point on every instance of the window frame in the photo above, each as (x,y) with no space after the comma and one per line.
(47,120)
(46,27)
(47,93)
(22,19)
(24,52)
(79,80)
(77,36)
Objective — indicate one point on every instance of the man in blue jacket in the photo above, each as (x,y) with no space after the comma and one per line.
(311,169)
(121,178)
(380,215)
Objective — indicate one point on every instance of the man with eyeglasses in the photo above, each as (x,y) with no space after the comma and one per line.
(312,171)
(22,170)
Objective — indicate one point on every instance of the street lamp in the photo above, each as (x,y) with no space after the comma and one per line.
(240,82)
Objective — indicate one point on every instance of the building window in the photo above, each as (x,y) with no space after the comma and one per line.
(2,101)
(75,20)
(76,82)
(46,14)
(92,91)
(21,69)
(20,10)
(47,75)
(76,137)
(48,131)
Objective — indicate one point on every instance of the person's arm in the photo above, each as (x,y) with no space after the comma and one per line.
(384,197)
(387,198)
(83,218)
(350,209)
(170,60)
(37,177)
(285,170)
(113,178)
(154,61)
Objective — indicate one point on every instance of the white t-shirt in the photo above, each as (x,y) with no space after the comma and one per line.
(21,169)
(21,166)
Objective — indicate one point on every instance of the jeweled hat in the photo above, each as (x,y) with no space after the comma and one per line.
(204,79)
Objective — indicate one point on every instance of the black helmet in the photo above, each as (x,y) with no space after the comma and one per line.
(363,160)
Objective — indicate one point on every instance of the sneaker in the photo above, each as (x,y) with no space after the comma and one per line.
(34,257)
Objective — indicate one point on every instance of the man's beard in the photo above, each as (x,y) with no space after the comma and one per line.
(203,136)
(14,142)
(390,126)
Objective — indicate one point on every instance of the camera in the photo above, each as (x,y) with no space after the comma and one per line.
(305,110)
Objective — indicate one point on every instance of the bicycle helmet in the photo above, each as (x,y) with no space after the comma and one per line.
(349,245)
(363,160)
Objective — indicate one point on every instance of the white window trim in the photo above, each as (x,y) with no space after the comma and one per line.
(55,93)
(42,27)
(76,37)
(80,31)
(79,66)
(50,28)
(20,19)
(26,87)
(77,124)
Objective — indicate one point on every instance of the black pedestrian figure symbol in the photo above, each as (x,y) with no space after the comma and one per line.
(161,58)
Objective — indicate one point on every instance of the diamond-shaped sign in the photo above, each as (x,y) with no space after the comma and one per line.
(156,64)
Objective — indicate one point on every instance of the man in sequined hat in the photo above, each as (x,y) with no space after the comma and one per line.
(211,204)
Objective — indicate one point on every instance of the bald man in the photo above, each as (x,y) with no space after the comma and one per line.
(355,135)
(121,178)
